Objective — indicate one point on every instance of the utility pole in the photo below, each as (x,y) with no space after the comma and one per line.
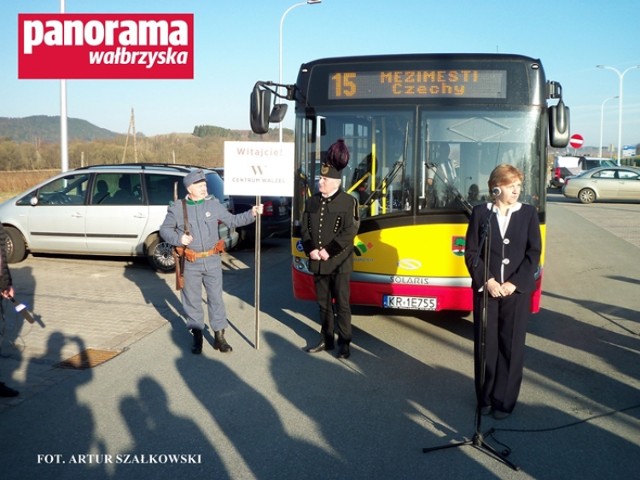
(131,131)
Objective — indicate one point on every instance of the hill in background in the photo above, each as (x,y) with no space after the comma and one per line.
(33,143)
(47,129)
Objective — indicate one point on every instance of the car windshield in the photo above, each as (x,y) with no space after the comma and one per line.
(215,186)
(68,190)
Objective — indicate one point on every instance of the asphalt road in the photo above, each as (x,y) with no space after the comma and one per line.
(277,412)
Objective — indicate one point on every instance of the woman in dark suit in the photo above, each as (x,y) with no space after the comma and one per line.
(505,281)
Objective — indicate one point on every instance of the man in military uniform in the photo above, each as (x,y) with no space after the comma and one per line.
(329,225)
(199,238)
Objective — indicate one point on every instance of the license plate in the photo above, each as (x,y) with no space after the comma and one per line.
(410,303)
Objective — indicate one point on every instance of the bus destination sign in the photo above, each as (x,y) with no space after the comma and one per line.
(418,84)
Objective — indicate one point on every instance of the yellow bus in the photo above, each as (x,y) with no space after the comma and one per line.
(424,132)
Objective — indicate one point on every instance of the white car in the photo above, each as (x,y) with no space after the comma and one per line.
(103,210)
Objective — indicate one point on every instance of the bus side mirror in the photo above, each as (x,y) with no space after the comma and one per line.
(278,113)
(260,109)
(559,125)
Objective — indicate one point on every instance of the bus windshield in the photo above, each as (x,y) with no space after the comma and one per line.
(423,160)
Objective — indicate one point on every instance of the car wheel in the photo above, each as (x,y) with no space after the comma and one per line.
(586,195)
(16,246)
(160,254)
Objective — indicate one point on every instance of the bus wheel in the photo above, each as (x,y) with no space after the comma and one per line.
(586,195)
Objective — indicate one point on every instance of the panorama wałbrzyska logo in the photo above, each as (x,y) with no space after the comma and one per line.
(105,46)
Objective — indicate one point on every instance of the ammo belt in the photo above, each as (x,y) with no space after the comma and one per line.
(192,253)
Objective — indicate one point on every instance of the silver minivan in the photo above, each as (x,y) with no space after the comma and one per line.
(103,210)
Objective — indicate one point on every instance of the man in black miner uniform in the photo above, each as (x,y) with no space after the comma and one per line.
(329,225)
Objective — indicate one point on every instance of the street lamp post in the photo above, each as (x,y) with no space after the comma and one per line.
(621,78)
(295,5)
(64,136)
(602,120)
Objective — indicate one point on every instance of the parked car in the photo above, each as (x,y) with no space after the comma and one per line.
(275,218)
(567,166)
(103,210)
(604,183)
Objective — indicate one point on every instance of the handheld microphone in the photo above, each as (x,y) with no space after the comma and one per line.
(495,191)
(22,309)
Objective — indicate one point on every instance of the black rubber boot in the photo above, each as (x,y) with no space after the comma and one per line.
(197,341)
(219,342)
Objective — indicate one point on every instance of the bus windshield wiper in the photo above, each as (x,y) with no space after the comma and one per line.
(467,207)
(386,181)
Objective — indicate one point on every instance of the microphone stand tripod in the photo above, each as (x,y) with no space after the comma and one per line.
(477,441)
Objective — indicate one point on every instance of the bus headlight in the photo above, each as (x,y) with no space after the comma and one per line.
(301,264)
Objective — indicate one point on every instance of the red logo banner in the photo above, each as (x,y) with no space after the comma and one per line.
(105,46)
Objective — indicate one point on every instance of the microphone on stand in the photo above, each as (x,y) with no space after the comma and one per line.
(484,231)
(495,193)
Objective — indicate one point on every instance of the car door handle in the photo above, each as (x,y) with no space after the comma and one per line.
(77,215)
(140,215)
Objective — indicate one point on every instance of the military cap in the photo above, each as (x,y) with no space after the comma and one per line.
(194,176)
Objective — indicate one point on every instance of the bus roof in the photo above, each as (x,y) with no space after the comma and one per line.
(484,77)
(414,57)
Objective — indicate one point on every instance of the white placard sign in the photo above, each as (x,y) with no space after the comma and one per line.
(258,168)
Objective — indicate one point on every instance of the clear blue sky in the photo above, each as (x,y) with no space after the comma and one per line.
(236,43)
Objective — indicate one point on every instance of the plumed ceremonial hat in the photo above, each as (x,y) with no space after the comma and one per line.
(194,176)
(338,155)
(337,159)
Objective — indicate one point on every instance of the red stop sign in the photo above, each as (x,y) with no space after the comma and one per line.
(576,140)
